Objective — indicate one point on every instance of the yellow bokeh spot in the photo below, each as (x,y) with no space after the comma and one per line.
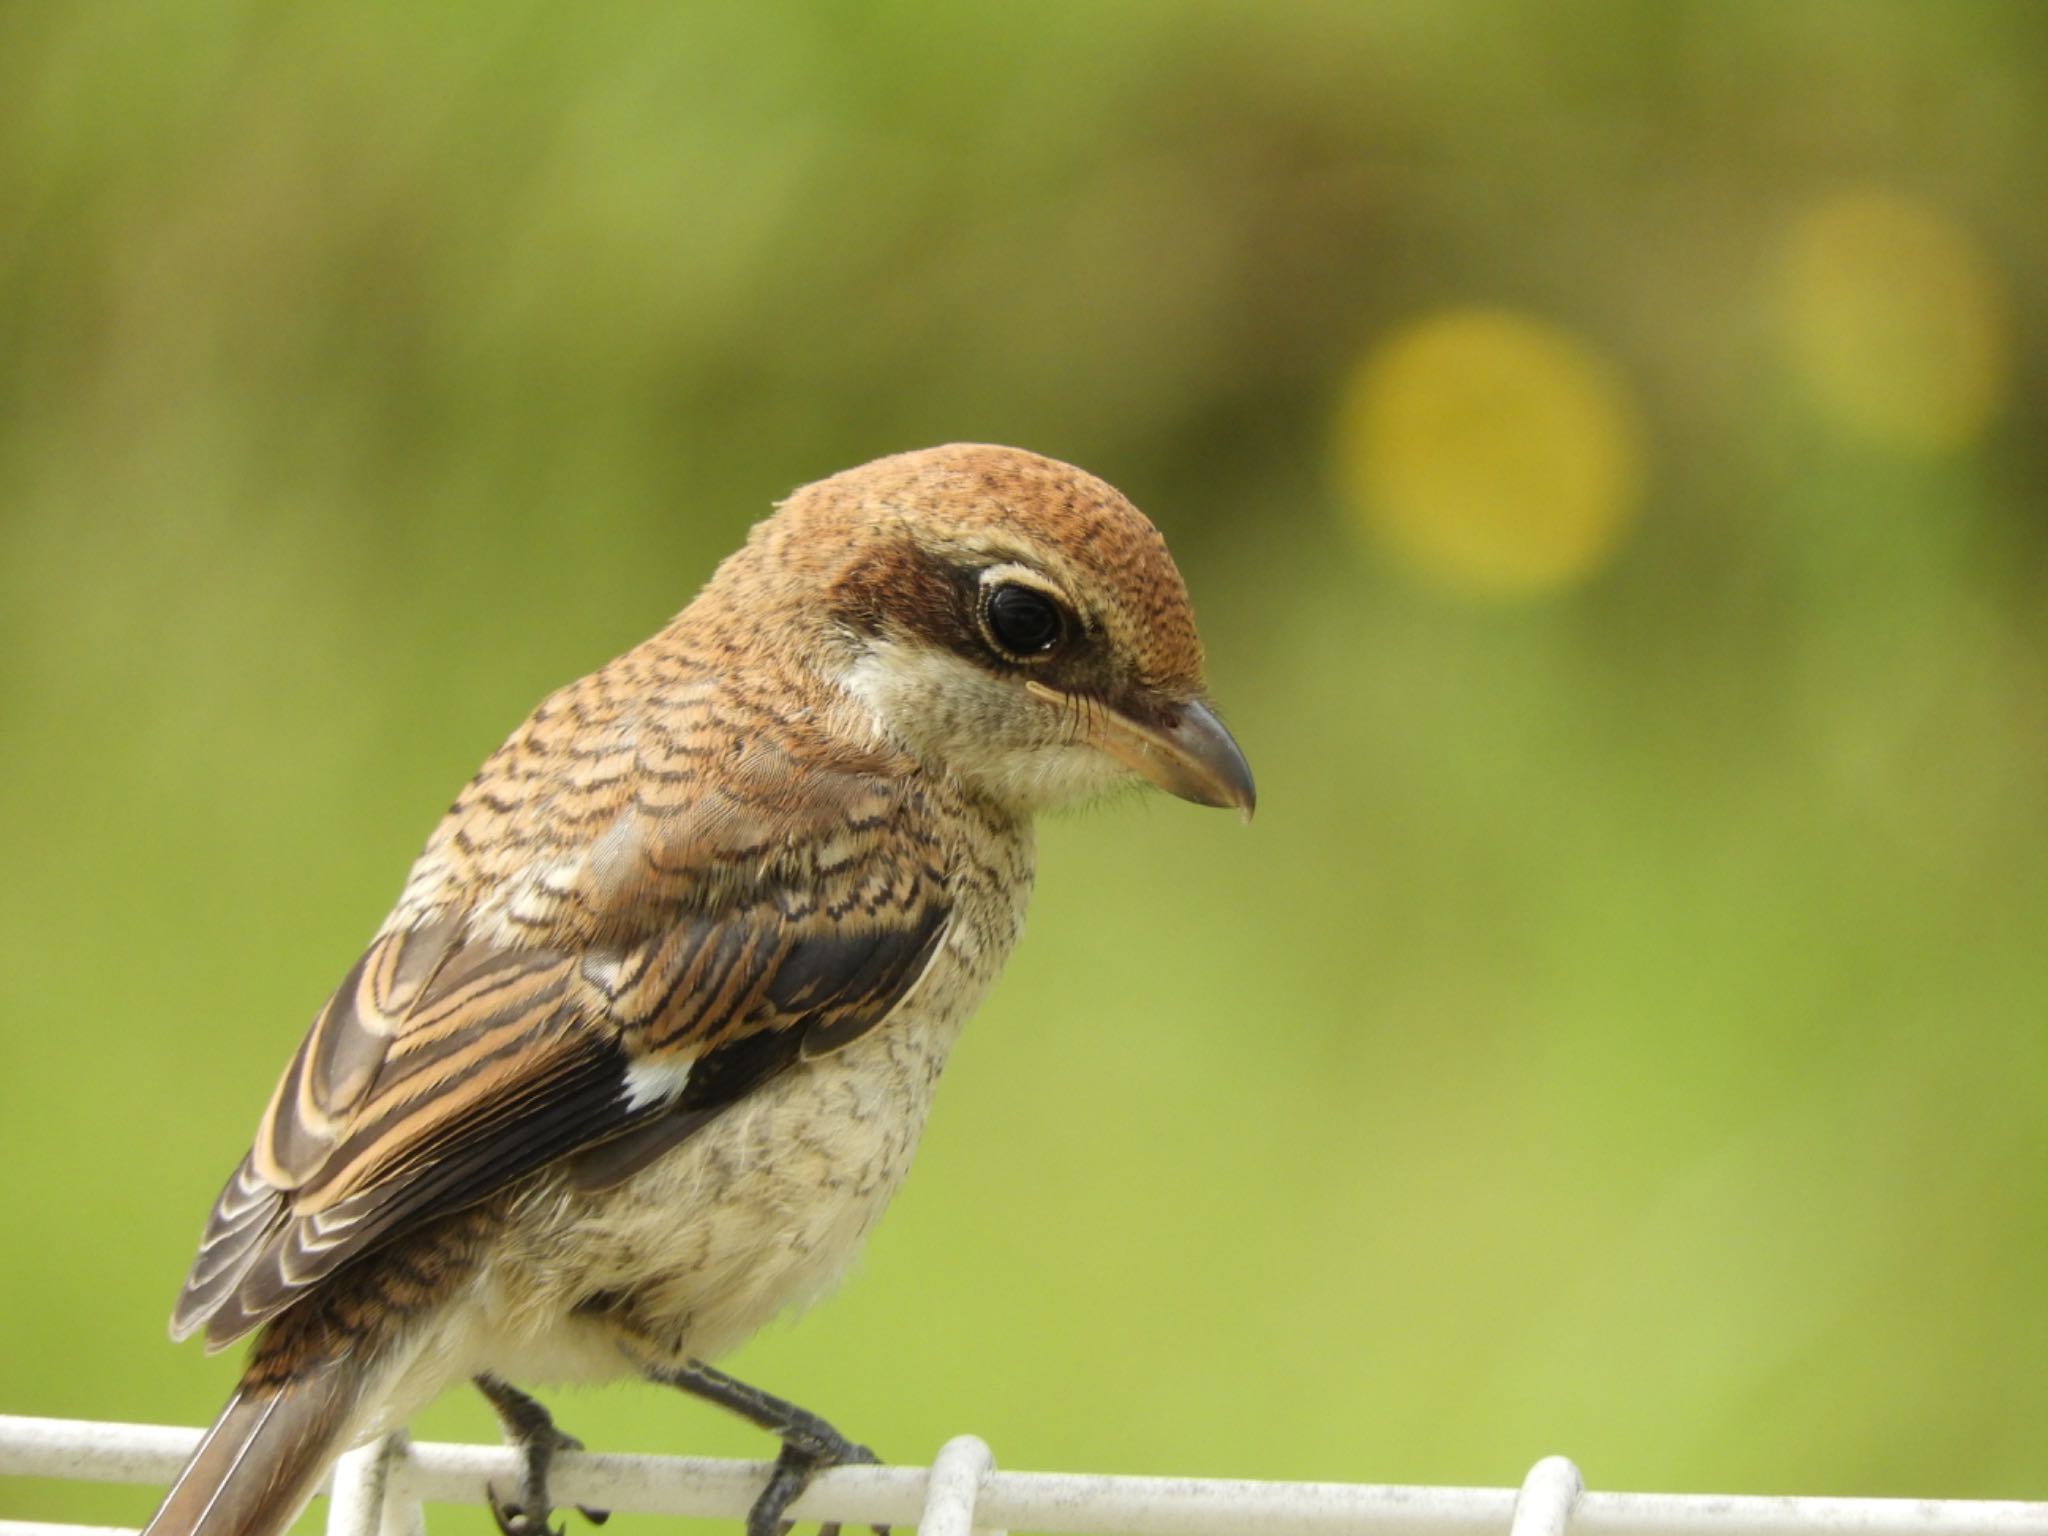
(1491,452)
(1896,321)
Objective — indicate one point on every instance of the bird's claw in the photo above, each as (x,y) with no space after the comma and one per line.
(513,1517)
(803,1457)
(809,1444)
(528,1514)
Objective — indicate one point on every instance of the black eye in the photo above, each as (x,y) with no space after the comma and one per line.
(1022,621)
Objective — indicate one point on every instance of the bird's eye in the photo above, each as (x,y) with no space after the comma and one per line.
(1022,622)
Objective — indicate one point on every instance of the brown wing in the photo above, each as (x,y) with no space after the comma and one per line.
(696,956)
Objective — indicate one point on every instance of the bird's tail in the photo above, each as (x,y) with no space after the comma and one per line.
(260,1462)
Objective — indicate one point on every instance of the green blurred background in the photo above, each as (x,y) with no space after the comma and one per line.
(1606,446)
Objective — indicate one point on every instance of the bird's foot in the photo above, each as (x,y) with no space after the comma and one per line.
(807,1449)
(530,1430)
(809,1444)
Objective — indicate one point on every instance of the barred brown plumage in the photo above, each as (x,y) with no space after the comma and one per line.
(647,1042)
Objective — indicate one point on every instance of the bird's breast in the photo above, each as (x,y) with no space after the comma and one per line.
(766,1206)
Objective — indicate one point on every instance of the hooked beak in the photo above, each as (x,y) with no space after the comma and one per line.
(1186,753)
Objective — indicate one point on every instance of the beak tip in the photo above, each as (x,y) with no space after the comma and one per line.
(1218,773)
(1235,791)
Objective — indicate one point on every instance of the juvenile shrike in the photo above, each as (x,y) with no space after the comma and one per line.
(647,1042)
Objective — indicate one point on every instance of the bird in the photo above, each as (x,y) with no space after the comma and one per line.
(648,1039)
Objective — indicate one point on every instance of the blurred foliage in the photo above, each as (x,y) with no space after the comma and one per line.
(1606,445)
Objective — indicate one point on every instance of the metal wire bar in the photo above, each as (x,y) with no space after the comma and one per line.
(958,1472)
(962,1491)
(1549,1494)
(355,1495)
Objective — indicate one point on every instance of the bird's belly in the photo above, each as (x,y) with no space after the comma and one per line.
(760,1211)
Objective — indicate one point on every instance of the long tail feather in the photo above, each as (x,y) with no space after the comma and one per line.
(260,1462)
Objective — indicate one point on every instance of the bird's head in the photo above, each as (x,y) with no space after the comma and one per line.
(1011,619)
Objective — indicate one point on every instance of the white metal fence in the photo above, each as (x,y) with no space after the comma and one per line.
(380,1490)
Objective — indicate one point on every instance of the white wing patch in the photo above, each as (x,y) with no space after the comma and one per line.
(650,1080)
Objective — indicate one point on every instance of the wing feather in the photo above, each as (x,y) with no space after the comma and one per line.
(461,1054)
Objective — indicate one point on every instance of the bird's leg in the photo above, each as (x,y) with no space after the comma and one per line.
(809,1444)
(530,1430)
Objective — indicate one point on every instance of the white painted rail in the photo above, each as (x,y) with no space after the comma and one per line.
(379,1490)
